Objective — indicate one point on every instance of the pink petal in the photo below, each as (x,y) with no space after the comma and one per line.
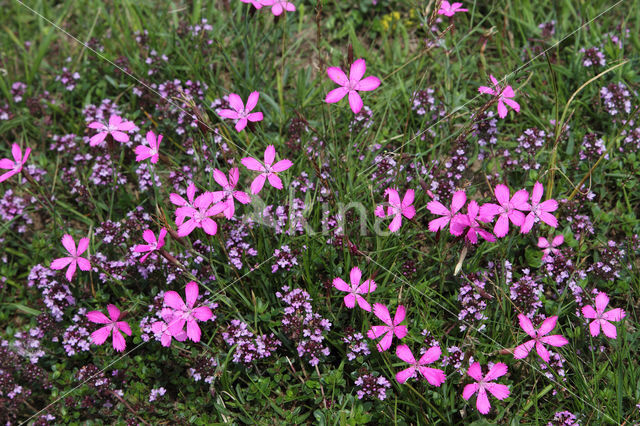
(252,164)
(336,95)
(395,223)
(521,352)
(191,293)
(124,327)
(243,197)
(548,218)
(469,390)
(97,139)
(555,340)
(173,300)
(614,314)
(404,353)
(377,330)
(71,270)
(404,375)
(269,155)
(526,325)
(355,101)
(498,370)
(337,76)
(498,390)
(513,104)
(409,196)
(516,217)
(142,152)
(358,68)
(543,352)
(100,335)
(602,300)
(60,263)
(457,202)
(235,102)
(501,227)
(366,287)
(594,327)
(255,116)
(252,101)
(193,331)
(202,313)
(114,312)
(281,165)
(341,285)
(118,341)
(502,194)
(275,181)
(385,343)
(186,228)
(433,354)
(350,300)
(529,220)
(608,329)
(486,90)
(257,184)
(98,317)
(434,376)
(368,84)
(482,402)
(228,113)
(536,193)
(437,208)
(519,199)
(502,110)
(83,244)
(401,313)
(96,125)
(241,124)
(401,331)
(557,240)
(381,311)
(488,211)
(69,244)
(355,276)
(362,302)
(547,325)
(542,242)
(120,137)
(475,372)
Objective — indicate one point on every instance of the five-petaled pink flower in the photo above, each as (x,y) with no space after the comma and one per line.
(351,85)
(483,384)
(433,375)
(397,208)
(392,326)
(602,318)
(540,210)
(143,152)
(116,128)
(152,245)
(437,208)
(460,222)
(538,338)
(279,6)
(162,328)
(355,289)
(16,165)
(74,260)
(450,9)
(268,170)
(550,249)
(112,326)
(186,313)
(504,96)
(199,215)
(508,210)
(228,192)
(240,112)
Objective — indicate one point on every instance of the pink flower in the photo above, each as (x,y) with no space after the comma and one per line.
(256,3)
(504,96)
(240,112)
(112,325)
(279,6)
(268,170)
(162,328)
(351,85)
(508,210)
(115,128)
(437,208)
(433,375)
(539,338)
(228,193)
(356,289)
(16,165)
(186,313)
(484,384)
(602,318)
(74,260)
(396,208)
(391,327)
(153,245)
(143,152)
(449,10)
(460,222)
(550,249)
(200,215)
(540,210)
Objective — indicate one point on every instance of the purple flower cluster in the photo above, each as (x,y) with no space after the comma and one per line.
(302,325)
(564,418)
(592,148)
(371,386)
(616,99)
(76,337)
(285,258)
(18,89)
(68,79)
(203,368)
(55,295)
(249,347)
(356,344)
(525,294)
(593,57)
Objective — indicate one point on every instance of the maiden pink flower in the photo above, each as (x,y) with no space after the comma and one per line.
(113,326)
(356,289)
(239,112)
(483,384)
(16,165)
(538,338)
(268,170)
(433,375)
(200,215)
(460,222)
(392,326)
(116,128)
(550,248)
(508,210)
(540,210)
(397,208)
(162,328)
(152,245)
(186,313)
(351,85)
(74,260)
(279,6)
(229,193)
(602,318)
(450,9)
(437,208)
(504,96)
(143,152)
